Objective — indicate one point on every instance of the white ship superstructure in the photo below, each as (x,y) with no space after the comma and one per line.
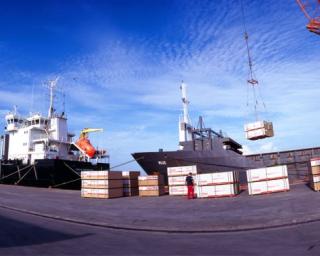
(38,137)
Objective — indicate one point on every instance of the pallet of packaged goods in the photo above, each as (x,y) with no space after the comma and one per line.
(259,130)
(101,184)
(217,178)
(218,184)
(130,183)
(181,170)
(267,173)
(268,186)
(315,174)
(151,185)
(177,179)
(225,190)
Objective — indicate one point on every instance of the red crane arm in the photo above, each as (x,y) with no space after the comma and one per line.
(302,6)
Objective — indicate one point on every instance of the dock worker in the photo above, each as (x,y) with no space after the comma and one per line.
(190,185)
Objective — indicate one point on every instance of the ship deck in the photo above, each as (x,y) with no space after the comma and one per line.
(168,213)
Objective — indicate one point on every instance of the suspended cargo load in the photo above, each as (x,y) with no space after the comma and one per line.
(259,130)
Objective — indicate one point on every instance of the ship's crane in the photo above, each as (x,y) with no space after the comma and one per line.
(83,143)
(259,129)
(311,10)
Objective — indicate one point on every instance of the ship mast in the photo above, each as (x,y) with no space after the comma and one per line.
(52,86)
(184,124)
(185,103)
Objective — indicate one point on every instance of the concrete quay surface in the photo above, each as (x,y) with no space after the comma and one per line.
(169,213)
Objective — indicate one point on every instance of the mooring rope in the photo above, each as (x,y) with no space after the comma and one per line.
(23,176)
(67,182)
(15,172)
(128,162)
(71,169)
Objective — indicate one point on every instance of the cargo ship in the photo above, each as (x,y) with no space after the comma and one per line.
(38,150)
(211,151)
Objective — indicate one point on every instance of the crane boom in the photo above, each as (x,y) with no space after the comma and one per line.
(85,131)
(314,20)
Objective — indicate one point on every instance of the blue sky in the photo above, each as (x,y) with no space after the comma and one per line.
(121,63)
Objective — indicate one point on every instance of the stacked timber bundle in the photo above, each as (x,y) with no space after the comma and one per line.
(101,184)
(151,185)
(315,174)
(177,179)
(130,183)
(259,130)
(268,180)
(218,184)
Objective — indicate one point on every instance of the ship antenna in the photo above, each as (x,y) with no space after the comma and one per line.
(52,86)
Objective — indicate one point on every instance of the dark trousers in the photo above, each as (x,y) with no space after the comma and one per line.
(190,191)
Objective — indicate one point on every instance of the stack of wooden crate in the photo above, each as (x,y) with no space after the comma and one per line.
(177,179)
(315,174)
(101,184)
(268,180)
(151,185)
(259,130)
(218,184)
(130,183)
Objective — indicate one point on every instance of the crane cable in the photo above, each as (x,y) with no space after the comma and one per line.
(251,81)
